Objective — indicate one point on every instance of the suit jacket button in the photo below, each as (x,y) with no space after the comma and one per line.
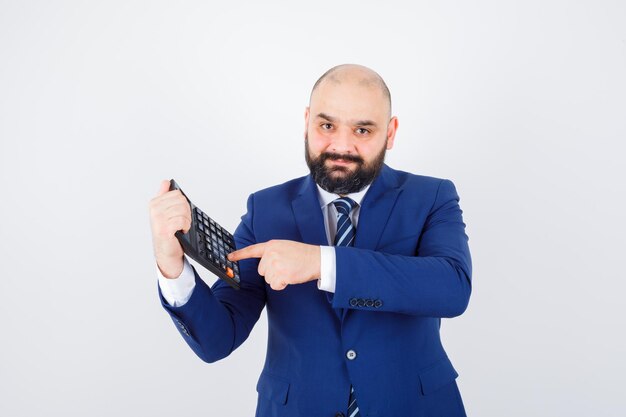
(369,303)
(353,302)
(360,302)
(351,354)
(378,303)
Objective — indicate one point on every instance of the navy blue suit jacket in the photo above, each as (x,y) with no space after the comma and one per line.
(410,266)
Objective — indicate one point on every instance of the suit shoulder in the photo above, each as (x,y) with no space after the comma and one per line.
(418,186)
(287,189)
(408,179)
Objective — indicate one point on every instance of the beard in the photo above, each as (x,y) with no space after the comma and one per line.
(339,179)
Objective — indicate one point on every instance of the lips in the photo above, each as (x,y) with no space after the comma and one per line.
(342,161)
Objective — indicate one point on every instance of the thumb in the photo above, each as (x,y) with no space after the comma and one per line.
(164,187)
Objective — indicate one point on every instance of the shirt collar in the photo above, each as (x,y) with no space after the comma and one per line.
(325,198)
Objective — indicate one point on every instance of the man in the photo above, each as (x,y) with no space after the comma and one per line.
(355,262)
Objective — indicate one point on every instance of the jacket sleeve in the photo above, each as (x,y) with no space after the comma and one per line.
(435,283)
(217,320)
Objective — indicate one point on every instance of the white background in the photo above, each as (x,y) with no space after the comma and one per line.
(521,103)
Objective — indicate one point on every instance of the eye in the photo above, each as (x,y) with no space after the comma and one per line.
(362,131)
(326,126)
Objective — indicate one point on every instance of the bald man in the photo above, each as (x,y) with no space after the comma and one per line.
(356,263)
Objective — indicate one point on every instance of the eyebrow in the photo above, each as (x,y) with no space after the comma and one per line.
(365,123)
(357,123)
(325,117)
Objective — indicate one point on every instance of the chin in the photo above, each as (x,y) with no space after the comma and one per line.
(339,171)
(331,166)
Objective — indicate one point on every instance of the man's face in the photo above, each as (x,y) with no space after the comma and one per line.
(348,131)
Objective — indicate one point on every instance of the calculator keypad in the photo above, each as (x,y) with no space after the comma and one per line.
(214,243)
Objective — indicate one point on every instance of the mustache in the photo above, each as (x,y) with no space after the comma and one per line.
(334,156)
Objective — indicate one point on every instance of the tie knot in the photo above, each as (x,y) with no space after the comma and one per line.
(344,205)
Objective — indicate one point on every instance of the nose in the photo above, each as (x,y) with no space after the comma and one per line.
(342,142)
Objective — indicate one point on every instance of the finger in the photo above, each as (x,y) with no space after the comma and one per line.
(264,266)
(275,281)
(180,222)
(278,285)
(175,208)
(252,251)
(186,225)
(163,188)
(172,195)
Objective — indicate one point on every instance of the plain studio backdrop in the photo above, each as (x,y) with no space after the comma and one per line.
(521,103)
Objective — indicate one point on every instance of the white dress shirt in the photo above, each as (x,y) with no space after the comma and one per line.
(177,291)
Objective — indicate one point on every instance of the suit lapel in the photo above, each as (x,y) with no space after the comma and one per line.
(376,209)
(308,214)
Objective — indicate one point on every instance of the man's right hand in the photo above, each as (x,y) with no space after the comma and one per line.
(169,212)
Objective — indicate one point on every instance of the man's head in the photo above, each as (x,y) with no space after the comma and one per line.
(348,128)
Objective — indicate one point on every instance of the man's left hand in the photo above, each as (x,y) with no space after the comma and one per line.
(283,262)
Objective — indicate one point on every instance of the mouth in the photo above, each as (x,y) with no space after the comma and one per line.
(341,161)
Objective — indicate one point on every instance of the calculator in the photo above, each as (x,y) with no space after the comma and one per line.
(208,243)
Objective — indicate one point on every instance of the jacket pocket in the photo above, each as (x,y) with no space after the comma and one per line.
(437,375)
(273,388)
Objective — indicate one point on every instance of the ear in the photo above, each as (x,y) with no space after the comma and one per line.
(306,119)
(392,127)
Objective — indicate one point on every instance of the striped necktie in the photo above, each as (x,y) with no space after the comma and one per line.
(344,237)
(345,230)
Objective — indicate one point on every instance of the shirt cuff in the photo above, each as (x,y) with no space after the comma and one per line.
(328,270)
(177,291)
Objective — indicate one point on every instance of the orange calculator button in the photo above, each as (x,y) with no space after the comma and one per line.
(229,272)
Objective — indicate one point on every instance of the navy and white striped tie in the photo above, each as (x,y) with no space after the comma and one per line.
(345,229)
(344,237)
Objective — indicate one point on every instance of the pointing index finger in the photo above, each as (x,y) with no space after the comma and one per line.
(252,251)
